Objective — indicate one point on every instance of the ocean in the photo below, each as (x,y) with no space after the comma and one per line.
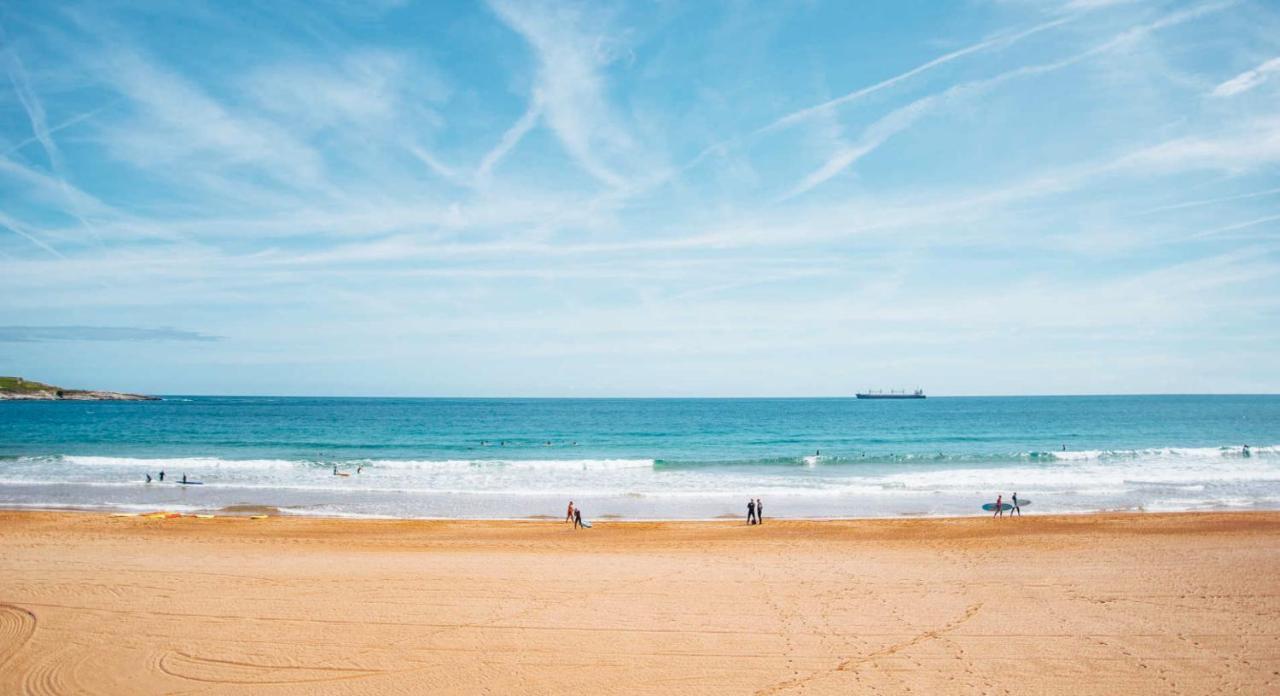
(643,458)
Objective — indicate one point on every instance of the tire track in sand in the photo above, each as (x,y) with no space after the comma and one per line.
(17,625)
(216,671)
(852,662)
(53,676)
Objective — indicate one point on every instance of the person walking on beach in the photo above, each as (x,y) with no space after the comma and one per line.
(162,475)
(999,505)
(751,511)
(759,511)
(1014,500)
(577,518)
(568,516)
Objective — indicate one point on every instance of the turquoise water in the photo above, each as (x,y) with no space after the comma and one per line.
(656,458)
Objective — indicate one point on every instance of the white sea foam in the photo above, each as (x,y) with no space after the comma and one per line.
(1156,478)
(198,463)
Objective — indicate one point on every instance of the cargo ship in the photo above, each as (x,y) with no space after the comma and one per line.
(870,394)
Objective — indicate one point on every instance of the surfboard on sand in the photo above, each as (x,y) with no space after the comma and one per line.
(586,524)
(991,507)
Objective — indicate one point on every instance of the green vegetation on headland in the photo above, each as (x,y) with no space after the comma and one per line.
(19,389)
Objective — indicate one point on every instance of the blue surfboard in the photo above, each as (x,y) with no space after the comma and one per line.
(991,507)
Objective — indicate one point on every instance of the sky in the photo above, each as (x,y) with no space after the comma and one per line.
(652,198)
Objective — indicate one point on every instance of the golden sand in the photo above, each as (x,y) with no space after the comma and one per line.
(1101,604)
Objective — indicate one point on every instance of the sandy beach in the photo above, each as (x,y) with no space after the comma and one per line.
(1144,603)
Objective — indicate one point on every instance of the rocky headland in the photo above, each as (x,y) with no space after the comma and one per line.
(19,389)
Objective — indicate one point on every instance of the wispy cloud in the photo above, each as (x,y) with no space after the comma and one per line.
(43,334)
(572,87)
(176,122)
(1211,201)
(1247,80)
(902,118)
(999,41)
(511,137)
(22,230)
(30,101)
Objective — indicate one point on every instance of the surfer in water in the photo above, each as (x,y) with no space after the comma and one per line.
(184,478)
(162,475)
(999,505)
(1016,509)
(148,478)
(568,516)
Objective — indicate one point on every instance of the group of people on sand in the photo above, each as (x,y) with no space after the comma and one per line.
(574,515)
(1013,501)
(755,511)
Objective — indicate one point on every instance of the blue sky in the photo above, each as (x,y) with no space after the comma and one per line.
(641,199)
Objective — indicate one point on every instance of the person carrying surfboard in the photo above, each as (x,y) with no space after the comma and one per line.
(1016,509)
(999,505)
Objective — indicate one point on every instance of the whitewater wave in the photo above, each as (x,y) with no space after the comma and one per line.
(197,463)
(204,463)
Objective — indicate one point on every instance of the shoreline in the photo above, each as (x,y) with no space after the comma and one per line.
(1109,515)
(120,512)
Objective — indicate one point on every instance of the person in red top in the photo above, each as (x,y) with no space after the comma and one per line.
(568,517)
(999,505)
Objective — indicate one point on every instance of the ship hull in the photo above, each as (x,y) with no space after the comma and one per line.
(891,396)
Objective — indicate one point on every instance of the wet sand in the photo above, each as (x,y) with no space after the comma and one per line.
(1146,603)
